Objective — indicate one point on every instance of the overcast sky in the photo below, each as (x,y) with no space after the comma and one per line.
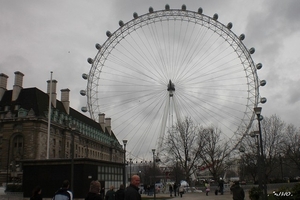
(37,37)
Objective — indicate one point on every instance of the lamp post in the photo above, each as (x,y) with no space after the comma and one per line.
(73,129)
(124,168)
(259,170)
(7,164)
(257,111)
(153,152)
(140,172)
(130,160)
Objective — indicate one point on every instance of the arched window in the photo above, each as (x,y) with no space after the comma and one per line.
(17,147)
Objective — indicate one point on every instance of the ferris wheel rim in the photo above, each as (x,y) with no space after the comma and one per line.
(115,38)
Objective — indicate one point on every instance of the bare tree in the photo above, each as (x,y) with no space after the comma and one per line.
(183,146)
(215,151)
(291,144)
(273,130)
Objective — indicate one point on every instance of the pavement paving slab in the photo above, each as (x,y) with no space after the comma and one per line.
(202,196)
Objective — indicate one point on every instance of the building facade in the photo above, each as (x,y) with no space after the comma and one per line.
(25,133)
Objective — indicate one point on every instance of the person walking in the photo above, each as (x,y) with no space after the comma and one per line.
(102,192)
(207,187)
(63,193)
(171,190)
(36,193)
(181,190)
(120,193)
(221,186)
(94,191)
(132,191)
(110,194)
(237,192)
(175,188)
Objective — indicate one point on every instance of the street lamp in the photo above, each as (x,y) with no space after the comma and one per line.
(130,160)
(73,129)
(124,168)
(255,134)
(153,152)
(140,172)
(7,164)
(257,111)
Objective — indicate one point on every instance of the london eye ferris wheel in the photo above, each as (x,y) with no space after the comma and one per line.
(169,64)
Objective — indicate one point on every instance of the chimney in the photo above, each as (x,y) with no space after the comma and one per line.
(65,93)
(101,118)
(3,84)
(108,125)
(53,91)
(18,85)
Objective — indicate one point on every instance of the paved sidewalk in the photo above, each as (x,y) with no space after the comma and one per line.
(202,196)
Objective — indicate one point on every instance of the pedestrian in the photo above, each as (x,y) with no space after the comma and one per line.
(132,191)
(207,187)
(171,190)
(181,190)
(110,194)
(221,186)
(63,192)
(175,188)
(36,193)
(120,193)
(237,192)
(231,183)
(102,192)
(94,191)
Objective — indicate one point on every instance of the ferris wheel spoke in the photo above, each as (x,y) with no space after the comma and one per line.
(169,64)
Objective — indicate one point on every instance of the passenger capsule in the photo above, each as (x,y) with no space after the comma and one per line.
(183,7)
(167,7)
(263,82)
(215,17)
(258,66)
(242,37)
(108,33)
(263,100)
(229,25)
(252,50)
(135,15)
(121,23)
(151,10)
(85,76)
(90,60)
(83,92)
(84,109)
(98,46)
(200,10)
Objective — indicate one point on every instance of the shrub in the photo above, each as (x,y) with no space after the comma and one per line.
(286,193)
(255,193)
(14,188)
(296,191)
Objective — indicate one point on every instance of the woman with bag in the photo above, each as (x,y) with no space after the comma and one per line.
(207,187)
(181,190)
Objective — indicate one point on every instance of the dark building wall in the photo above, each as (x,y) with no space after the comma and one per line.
(26,116)
(51,175)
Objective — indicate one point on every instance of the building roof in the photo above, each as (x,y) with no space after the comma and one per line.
(38,101)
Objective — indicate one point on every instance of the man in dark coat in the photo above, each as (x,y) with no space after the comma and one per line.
(175,188)
(110,194)
(94,192)
(221,186)
(237,192)
(132,191)
(64,193)
(120,193)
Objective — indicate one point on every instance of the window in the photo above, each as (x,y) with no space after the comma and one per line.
(18,147)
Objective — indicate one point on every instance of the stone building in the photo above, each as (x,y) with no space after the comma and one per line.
(25,136)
